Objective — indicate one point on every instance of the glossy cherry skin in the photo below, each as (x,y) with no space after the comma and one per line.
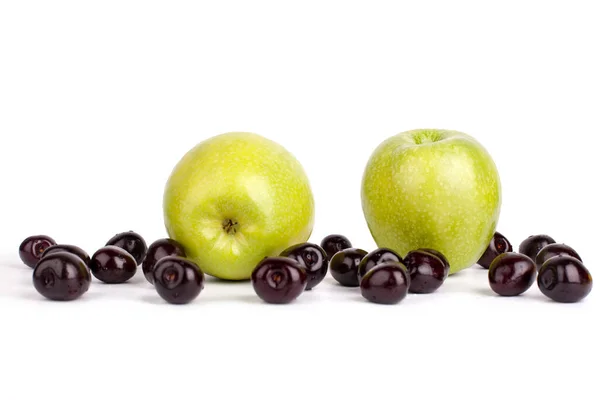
(554,250)
(533,244)
(498,245)
(61,276)
(279,280)
(439,255)
(158,250)
(69,248)
(344,266)
(112,264)
(427,271)
(376,257)
(177,280)
(386,283)
(131,242)
(565,279)
(334,243)
(311,257)
(511,274)
(32,248)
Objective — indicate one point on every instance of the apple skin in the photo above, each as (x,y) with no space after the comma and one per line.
(430,188)
(234,199)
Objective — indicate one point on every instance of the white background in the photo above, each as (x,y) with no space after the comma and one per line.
(99,100)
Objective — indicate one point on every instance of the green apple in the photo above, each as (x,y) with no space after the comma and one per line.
(430,188)
(234,199)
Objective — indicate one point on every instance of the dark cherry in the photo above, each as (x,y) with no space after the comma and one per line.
(533,244)
(112,264)
(427,271)
(131,242)
(311,257)
(279,280)
(61,276)
(554,250)
(565,279)
(344,266)
(177,280)
(69,248)
(387,283)
(511,274)
(32,248)
(498,245)
(376,257)
(160,249)
(334,243)
(439,255)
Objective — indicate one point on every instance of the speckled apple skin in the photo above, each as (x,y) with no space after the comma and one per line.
(247,178)
(432,188)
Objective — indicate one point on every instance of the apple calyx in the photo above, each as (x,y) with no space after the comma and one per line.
(230,226)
